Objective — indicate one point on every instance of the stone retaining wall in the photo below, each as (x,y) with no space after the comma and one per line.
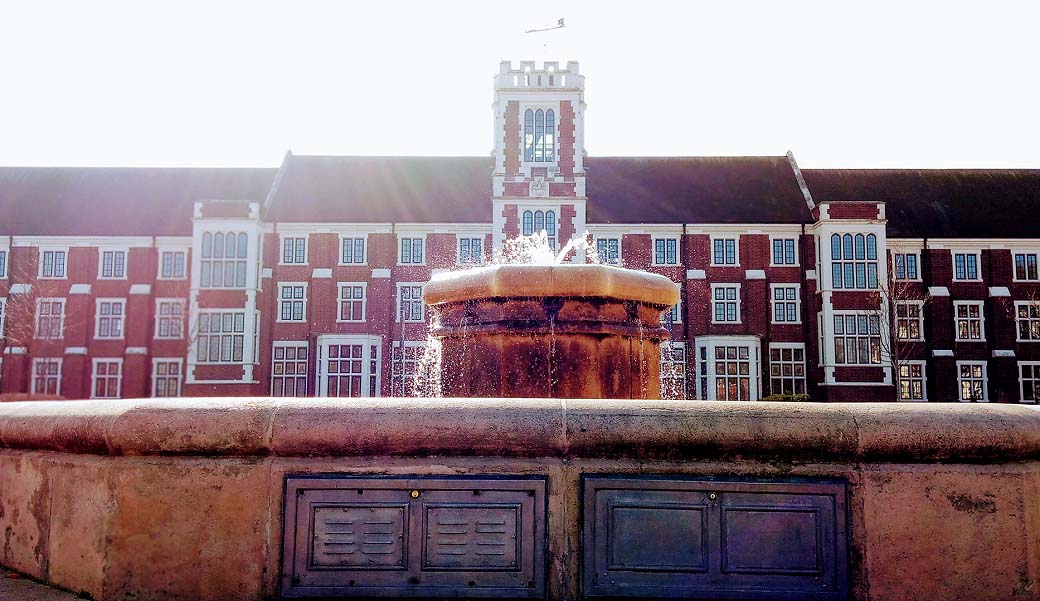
(183,499)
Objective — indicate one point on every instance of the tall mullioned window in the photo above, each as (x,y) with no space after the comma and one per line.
(857,339)
(224,260)
(539,136)
(536,222)
(854,262)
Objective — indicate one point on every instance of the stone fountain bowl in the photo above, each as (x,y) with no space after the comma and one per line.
(577,331)
(539,281)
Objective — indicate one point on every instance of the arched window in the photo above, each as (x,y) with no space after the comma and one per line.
(550,135)
(854,261)
(550,224)
(539,221)
(223,261)
(539,136)
(529,135)
(528,223)
(218,245)
(229,245)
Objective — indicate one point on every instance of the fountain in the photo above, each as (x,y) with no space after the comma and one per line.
(594,490)
(550,331)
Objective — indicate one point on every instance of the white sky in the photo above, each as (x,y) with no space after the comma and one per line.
(866,84)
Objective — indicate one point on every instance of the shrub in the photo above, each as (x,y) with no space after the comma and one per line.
(787,398)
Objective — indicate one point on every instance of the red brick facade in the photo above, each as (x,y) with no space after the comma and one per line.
(755,295)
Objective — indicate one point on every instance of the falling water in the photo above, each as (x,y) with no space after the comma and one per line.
(521,250)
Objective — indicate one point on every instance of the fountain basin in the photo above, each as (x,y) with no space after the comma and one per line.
(577,331)
(184,499)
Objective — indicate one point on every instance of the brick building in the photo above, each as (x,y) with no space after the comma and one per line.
(307,279)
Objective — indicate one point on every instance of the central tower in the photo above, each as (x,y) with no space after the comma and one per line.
(539,176)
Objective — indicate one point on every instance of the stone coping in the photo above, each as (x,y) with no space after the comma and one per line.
(525,428)
(527,281)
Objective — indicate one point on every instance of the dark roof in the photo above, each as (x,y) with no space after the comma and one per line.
(940,203)
(95,201)
(383,190)
(458,190)
(694,190)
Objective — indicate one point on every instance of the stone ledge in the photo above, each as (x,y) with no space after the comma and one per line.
(524,428)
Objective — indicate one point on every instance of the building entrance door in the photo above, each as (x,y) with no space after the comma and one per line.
(348,365)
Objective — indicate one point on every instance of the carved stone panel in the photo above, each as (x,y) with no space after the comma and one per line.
(414,537)
(714,539)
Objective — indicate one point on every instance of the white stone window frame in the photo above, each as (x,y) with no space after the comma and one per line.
(339,301)
(772,302)
(920,319)
(94,376)
(982,321)
(857,336)
(400,300)
(553,165)
(710,343)
(352,236)
(678,250)
(984,380)
(554,237)
(101,262)
(306,293)
(38,316)
(220,336)
(58,377)
(294,344)
(1035,365)
(458,249)
(65,262)
(906,252)
(245,265)
(1014,271)
(739,319)
(3,314)
(673,352)
(5,262)
(772,257)
(399,364)
(792,346)
(845,264)
(306,249)
(155,375)
(923,379)
(121,317)
(400,249)
(978,265)
(172,250)
(608,239)
(1018,331)
(736,249)
(183,314)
